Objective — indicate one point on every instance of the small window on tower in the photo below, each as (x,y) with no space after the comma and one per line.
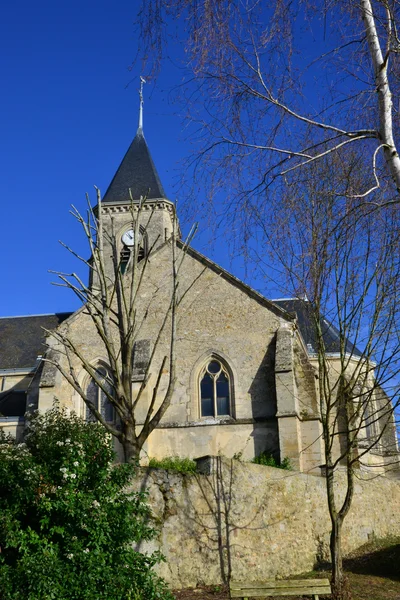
(124,259)
(129,248)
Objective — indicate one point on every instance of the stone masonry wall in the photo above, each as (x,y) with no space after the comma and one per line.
(214,319)
(253,522)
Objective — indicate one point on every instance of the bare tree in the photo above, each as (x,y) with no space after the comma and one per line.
(317,130)
(341,258)
(113,299)
(261,77)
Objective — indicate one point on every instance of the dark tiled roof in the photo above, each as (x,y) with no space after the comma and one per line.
(331,336)
(137,173)
(22,338)
(12,403)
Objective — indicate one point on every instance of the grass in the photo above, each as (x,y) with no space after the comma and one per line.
(267,460)
(174,463)
(379,557)
(372,571)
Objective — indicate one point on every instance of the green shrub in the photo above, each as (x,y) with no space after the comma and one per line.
(174,463)
(67,521)
(269,461)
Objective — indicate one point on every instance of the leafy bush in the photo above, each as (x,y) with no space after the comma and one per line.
(67,521)
(269,461)
(174,463)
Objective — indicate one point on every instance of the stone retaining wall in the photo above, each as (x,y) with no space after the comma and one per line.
(255,522)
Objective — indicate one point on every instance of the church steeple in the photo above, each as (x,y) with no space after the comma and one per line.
(155,218)
(137,171)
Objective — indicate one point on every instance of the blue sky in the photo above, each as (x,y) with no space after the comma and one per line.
(66,120)
(68,112)
(67,116)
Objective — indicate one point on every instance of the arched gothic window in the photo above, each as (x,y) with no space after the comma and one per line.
(98,398)
(215,390)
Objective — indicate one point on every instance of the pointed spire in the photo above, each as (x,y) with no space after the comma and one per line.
(142,81)
(137,171)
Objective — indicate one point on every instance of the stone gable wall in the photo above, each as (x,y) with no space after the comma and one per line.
(253,522)
(216,318)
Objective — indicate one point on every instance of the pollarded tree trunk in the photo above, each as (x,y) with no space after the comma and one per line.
(115,308)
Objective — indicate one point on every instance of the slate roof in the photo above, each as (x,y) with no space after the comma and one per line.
(136,172)
(22,338)
(302,309)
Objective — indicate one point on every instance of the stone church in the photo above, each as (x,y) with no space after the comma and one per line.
(245,365)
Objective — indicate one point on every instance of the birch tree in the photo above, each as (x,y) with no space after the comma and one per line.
(114,302)
(294,106)
(341,257)
(261,78)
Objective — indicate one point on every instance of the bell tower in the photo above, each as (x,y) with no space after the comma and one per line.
(137,178)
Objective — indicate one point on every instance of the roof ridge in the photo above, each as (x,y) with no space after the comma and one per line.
(61,312)
(285,299)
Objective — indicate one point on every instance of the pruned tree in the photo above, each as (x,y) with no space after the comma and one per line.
(261,78)
(115,302)
(340,257)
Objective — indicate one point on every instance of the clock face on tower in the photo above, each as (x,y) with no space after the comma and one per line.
(128,238)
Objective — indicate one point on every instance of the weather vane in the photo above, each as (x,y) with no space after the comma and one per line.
(142,82)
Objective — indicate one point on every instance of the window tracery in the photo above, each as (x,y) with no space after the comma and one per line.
(98,398)
(215,390)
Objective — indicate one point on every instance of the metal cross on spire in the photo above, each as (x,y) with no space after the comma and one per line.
(142,82)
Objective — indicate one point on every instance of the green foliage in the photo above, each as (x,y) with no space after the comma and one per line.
(267,460)
(174,463)
(67,521)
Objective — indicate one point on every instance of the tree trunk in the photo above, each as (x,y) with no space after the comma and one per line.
(130,446)
(131,452)
(336,557)
(338,582)
(385,104)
